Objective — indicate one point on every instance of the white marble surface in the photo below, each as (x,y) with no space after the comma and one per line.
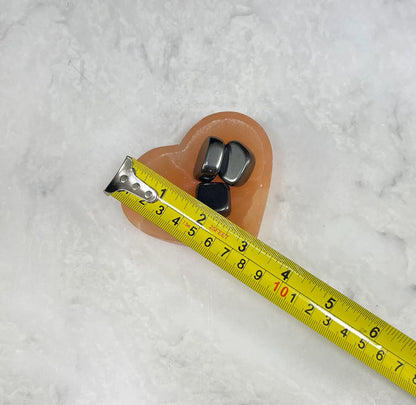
(83,316)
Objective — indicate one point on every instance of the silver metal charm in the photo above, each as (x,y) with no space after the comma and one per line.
(126,180)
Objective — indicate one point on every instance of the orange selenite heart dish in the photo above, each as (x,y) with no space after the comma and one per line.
(176,163)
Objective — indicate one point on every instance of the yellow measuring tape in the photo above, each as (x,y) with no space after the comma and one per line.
(275,277)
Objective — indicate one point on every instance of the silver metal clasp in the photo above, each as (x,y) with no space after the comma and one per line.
(126,180)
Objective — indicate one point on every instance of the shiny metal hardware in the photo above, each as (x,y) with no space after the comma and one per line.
(126,180)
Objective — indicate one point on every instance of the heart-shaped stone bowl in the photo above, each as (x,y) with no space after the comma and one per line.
(176,163)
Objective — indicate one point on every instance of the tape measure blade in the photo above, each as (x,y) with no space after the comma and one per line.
(279,279)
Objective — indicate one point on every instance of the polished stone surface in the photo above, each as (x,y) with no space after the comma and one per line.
(92,311)
(209,160)
(237,165)
(216,195)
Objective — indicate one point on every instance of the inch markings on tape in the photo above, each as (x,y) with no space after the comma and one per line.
(275,277)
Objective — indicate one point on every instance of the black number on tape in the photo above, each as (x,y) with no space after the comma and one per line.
(241,263)
(258,275)
(344,332)
(374,332)
(243,246)
(176,220)
(327,321)
(160,210)
(309,309)
(380,355)
(202,219)
(330,303)
(226,250)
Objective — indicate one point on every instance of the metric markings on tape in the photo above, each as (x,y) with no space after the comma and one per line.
(277,278)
